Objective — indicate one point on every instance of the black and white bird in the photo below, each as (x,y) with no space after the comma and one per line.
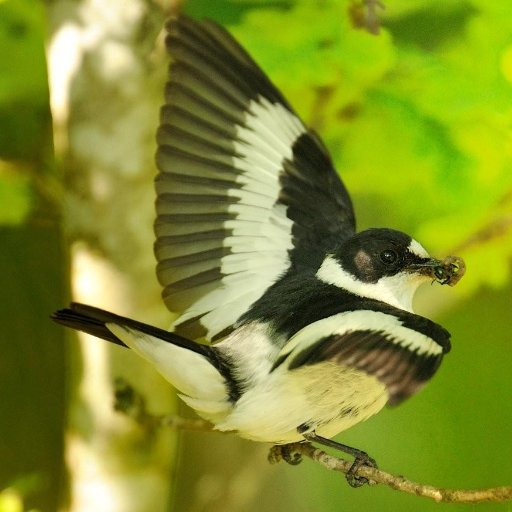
(309,325)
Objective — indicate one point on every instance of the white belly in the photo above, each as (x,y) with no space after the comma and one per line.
(326,397)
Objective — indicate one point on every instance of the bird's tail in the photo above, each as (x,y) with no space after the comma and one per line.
(94,321)
(198,371)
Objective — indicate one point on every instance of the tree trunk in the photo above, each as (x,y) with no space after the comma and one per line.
(106,81)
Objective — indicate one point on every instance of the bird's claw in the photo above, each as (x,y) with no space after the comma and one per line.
(362,459)
(286,452)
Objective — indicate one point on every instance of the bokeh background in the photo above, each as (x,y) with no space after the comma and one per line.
(419,122)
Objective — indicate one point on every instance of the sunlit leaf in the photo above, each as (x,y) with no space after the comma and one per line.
(15,195)
(22,64)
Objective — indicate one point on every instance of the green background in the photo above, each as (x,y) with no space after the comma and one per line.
(418,120)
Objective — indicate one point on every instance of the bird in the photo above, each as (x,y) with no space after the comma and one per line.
(292,325)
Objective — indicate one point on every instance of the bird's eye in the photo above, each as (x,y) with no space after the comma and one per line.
(388,256)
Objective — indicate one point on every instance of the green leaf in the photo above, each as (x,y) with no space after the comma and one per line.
(22,62)
(15,196)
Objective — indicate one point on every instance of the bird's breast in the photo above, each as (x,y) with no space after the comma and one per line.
(326,398)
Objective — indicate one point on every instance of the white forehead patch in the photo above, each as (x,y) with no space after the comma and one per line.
(417,249)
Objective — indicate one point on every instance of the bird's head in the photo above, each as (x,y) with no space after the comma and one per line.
(386,265)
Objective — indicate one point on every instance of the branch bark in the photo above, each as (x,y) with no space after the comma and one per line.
(400,483)
(128,401)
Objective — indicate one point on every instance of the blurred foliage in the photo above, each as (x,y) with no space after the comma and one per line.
(24,112)
(11,501)
(15,194)
(12,497)
(418,118)
(32,277)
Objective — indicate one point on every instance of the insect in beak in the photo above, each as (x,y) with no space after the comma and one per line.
(448,271)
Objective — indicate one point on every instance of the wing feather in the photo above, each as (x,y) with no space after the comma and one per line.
(380,344)
(245,193)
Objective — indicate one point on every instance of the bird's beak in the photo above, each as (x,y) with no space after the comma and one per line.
(448,271)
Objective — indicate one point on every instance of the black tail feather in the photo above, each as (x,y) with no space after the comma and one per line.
(92,321)
(81,318)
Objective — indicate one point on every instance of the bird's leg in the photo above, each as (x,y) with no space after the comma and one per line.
(360,458)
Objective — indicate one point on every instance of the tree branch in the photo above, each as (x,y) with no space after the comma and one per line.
(499,226)
(495,228)
(128,401)
(364,14)
(400,483)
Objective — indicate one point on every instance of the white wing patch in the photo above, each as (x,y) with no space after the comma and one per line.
(261,231)
(362,320)
(236,164)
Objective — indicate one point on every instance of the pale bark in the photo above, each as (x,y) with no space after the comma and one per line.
(106,79)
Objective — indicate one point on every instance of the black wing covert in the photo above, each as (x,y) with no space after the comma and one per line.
(245,192)
(402,350)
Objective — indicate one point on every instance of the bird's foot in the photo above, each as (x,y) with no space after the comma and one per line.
(286,452)
(360,458)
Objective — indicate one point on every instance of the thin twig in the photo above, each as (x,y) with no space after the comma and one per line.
(499,226)
(128,401)
(400,483)
(372,16)
(496,228)
(364,14)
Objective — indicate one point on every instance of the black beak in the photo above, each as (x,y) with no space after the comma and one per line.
(448,271)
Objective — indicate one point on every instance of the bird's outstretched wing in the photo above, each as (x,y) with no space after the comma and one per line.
(245,191)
